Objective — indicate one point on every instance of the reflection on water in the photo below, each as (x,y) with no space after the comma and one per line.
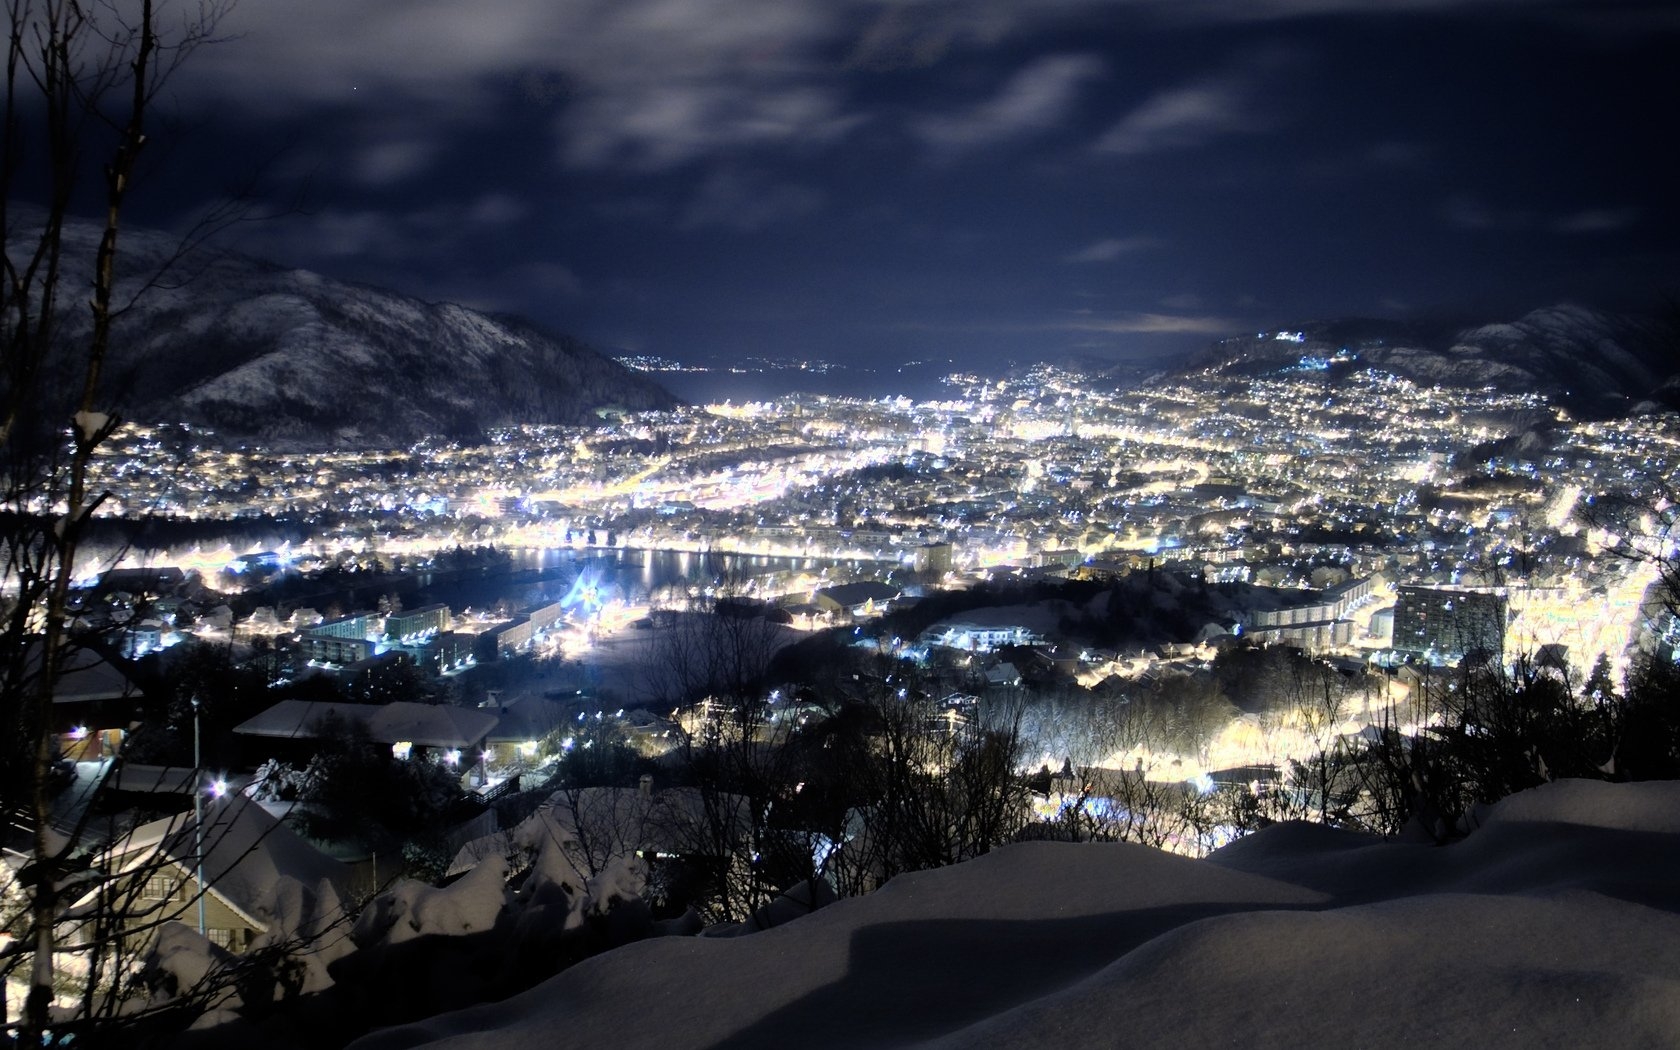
(535,577)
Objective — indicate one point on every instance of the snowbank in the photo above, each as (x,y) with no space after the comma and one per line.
(1555,924)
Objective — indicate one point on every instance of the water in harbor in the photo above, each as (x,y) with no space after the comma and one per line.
(535,577)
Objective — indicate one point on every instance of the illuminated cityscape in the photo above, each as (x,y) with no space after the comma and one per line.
(1272,481)
(839,524)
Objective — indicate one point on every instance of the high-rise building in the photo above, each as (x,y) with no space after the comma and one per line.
(1445,624)
(933,558)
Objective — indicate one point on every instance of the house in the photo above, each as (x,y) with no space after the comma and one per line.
(523,722)
(971,635)
(1003,675)
(861,599)
(93,701)
(402,724)
(256,874)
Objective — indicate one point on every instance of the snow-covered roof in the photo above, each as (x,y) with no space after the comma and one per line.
(1041,618)
(1557,923)
(430,725)
(850,595)
(296,719)
(1005,673)
(529,718)
(247,851)
(84,675)
(157,780)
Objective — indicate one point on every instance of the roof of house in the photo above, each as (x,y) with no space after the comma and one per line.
(854,594)
(298,718)
(247,851)
(84,675)
(153,780)
(429,725)
(433,725)
(530,717)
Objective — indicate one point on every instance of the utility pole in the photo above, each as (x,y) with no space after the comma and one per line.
(198,814)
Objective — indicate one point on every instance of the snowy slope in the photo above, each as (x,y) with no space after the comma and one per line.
(1594,362)
(1553,925)
(253,350)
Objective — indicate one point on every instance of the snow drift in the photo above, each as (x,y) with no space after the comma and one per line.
(1553,924)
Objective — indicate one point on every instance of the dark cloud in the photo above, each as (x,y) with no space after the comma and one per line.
(1397,155)
(1152,324)
(1033,100)
(666,125)
(1470,214)
(1232,102)
(912,176)
(1595,220)
(1111,248)
(380,163)
(747,201)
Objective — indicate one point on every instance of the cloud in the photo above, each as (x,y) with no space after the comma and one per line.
(419,252)
(1033,100)
(1110,249)
(1150,323)
(333,233)
(915,36)
(1468,213)
(383,163)
(1192,114)
(651,85)
(1398,155)
(663,126)
(746,202)
(1085,320)
(1595,220)
(438,234)
(896,34)
(643,83)
(497,209)
(1218,11)
(549,278)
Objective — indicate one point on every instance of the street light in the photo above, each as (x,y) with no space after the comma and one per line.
(198,813)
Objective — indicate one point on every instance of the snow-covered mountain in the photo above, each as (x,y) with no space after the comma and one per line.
(1555,924)
(253,350)
(1594,362)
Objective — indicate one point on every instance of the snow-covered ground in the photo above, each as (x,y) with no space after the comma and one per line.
(1553,925)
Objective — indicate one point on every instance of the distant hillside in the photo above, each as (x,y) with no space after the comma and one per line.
(256,351)
(1115,374)
(1596,363)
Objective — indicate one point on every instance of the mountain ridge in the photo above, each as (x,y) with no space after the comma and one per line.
(1593,362)
(257,351)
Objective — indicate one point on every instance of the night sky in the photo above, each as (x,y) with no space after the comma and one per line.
(889,179)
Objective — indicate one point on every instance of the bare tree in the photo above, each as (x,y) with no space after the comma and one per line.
(82,80)
(1115,784)
(709,663)
(931,785)
(1317,700)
